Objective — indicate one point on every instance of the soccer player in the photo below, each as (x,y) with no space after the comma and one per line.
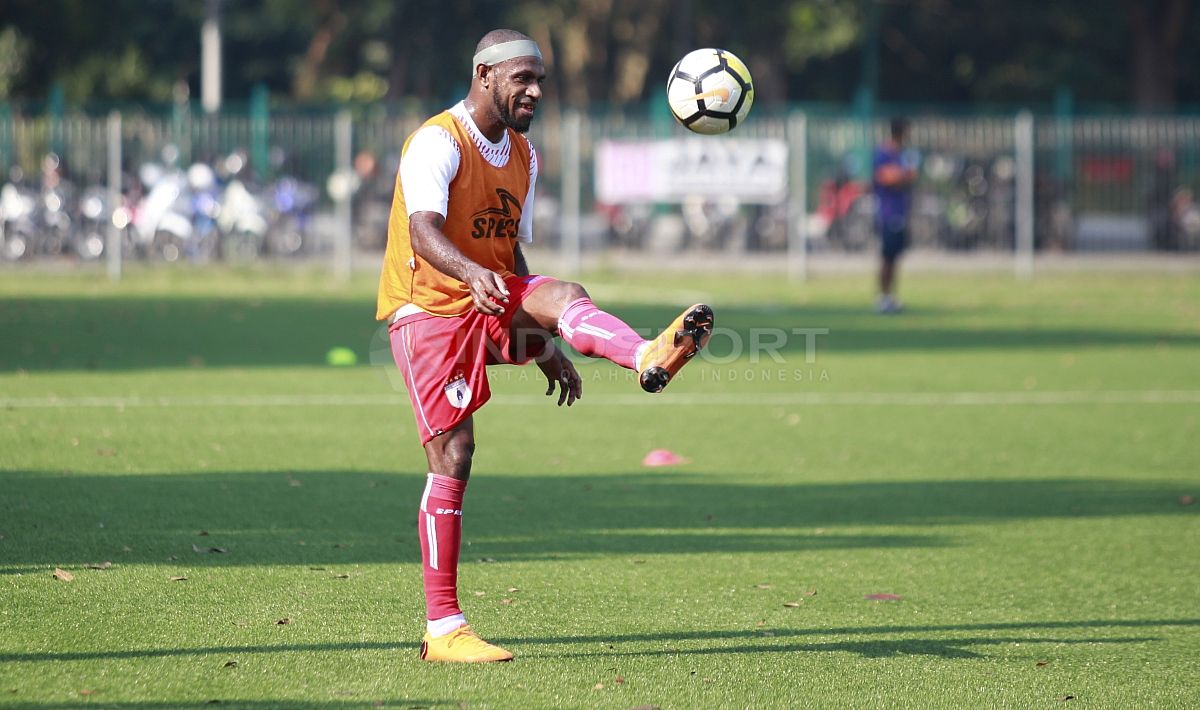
(893,176)
(458,296)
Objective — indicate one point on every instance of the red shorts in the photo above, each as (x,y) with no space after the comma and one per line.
(444,360)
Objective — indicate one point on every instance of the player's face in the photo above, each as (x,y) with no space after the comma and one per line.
(516,91)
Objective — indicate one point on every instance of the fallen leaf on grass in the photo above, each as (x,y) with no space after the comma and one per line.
(506,602)
(106,452)
(598,686)
(283,622)
(1042,664)
(341,576)
(1186,500)
(480,594)
(1065,698)
(510,590)
(883,597)
(619,680)
(761,622)
(126,548)
(63,575)
(204,550)
(178,579)
(231,664)
(107,564)
(86,692)
(294,483)
(810,593)
(203,533)
(791,605)
(764,586)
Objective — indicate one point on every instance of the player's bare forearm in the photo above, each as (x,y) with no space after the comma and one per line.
(431,244)
(521,268)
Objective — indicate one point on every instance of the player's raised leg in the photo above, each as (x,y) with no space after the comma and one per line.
(564,308)
(439,527)
(666,355)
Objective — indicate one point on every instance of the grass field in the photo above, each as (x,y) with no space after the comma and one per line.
(1015,461)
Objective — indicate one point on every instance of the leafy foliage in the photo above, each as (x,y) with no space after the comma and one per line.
(610,51)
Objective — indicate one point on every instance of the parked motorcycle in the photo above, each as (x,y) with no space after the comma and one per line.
(17,225)
(292,205)
(90,235)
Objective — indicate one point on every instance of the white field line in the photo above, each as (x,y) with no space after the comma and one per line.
(920,399)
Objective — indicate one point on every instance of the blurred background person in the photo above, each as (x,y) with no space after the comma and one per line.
(893,174)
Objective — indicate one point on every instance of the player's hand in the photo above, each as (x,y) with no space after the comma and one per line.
(487,291)
(561,373)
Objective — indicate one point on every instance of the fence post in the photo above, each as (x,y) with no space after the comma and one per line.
(1023,138)
(343,139)
(570,219)
(796,134)
(114,245)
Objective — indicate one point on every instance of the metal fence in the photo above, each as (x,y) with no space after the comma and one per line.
(80,186)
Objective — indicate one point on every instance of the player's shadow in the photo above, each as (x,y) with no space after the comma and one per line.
(329,520)
(129,333)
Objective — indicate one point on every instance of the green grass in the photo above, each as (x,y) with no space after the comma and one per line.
(1011,459)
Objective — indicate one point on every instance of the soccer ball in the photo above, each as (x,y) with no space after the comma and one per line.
(710,91)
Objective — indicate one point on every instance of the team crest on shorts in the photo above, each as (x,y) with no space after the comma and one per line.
(458,392)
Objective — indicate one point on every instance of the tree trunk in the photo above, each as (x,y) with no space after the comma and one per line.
(304,85)
(1158,30)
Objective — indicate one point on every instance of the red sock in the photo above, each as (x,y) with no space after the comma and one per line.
(440,529)
(595,333)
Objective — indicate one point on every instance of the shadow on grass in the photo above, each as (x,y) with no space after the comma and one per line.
(59,333)
(869,649)
(326,518)
(958,648)
(98,701)
(881,648)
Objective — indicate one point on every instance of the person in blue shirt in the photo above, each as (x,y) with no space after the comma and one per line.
(893,174)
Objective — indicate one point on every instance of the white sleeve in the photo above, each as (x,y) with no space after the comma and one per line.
(525,228)
(427,169)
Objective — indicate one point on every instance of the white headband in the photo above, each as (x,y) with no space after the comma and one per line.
(507,50)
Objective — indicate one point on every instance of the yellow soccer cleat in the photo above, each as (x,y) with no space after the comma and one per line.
(666,355)
(461,646)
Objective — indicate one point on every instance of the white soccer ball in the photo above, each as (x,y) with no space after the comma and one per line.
(710,91)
